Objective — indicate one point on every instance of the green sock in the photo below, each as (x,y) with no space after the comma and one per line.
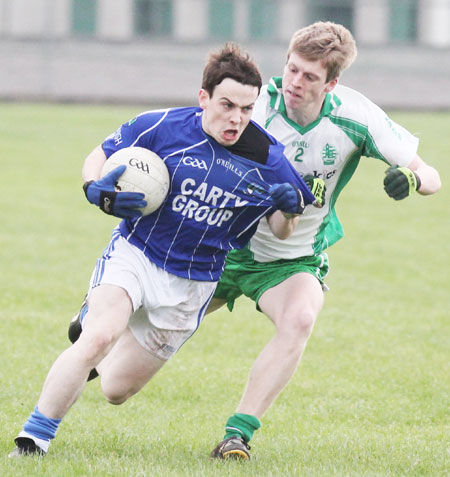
(242,425)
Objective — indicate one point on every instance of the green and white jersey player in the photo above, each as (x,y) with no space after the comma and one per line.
(349,126)
(325,128)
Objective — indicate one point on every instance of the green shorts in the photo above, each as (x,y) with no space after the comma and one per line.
(244,276)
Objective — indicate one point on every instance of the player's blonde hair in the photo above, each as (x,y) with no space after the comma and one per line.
(329,42)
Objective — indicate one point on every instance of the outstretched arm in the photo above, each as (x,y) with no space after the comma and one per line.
(289,202)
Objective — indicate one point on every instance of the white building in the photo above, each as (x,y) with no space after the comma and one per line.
(153,51)
(373,22)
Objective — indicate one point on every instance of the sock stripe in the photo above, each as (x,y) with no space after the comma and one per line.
(241,425)
(235,429)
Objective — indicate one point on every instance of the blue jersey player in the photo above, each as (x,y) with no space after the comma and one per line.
(155,279)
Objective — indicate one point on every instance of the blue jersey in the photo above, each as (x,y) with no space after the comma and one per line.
(216,197)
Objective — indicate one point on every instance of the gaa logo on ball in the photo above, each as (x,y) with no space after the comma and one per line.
(138,164)
(145,173)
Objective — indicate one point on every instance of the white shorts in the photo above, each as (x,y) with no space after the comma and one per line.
(167,309)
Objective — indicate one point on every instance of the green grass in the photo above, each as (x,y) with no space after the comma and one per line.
(371,397)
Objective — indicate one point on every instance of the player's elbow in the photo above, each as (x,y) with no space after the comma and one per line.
(431,183)
(428,177)
(437,183)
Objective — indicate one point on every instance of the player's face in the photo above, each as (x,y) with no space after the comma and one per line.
(305,83)
(227,112)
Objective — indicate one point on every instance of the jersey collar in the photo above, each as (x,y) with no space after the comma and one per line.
(277,103)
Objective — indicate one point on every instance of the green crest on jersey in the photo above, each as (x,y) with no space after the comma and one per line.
(329,154)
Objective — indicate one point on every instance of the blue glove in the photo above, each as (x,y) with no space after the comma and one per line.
(287,198)
(120,204)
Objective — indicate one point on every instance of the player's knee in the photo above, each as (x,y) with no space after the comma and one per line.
(306,323)
(297,326)
(116,399)
(114,394)
(95,344)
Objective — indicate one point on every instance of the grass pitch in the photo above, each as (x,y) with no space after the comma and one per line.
(371,396)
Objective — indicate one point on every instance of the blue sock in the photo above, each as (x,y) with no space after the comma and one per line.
(41,426)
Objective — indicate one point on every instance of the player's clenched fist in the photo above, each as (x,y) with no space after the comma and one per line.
(287,198)
(400,182)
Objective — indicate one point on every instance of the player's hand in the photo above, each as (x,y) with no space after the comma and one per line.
(287,199)
(318,188)
(120,204)
(400,182)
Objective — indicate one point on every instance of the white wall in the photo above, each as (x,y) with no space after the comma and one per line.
(371,20)
(53,18)
(292,17)
(190,19)
(35,18)
(434,22)
(115,19)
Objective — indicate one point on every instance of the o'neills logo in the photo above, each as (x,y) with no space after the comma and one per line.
(137,164)
(230,166)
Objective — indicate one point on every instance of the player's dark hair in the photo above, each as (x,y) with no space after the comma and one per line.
(230,62)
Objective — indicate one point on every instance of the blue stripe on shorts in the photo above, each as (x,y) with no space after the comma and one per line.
(101,262)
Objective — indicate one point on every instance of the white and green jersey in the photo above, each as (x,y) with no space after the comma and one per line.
(349,126)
